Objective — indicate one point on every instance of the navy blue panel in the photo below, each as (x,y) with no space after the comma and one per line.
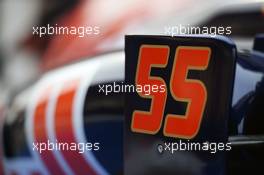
(218,79)
(109,135)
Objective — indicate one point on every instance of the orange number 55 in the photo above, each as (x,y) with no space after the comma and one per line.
(182,89)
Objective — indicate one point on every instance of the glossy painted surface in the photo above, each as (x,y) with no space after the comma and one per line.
(66,106)
(247,103)
(141,148)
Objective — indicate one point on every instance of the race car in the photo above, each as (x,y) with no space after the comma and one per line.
(65,123)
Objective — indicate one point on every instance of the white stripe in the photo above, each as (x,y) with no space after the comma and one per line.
(78,117)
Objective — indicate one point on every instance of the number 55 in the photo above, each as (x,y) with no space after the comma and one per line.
(182,89)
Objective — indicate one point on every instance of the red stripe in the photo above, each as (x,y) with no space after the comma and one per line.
(65,132)
(41,134)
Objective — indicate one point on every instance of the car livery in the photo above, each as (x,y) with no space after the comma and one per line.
(65,106)
(59,105)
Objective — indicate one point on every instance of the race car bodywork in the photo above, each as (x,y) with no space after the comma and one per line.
(199,74)
(65,105)
(197,109)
